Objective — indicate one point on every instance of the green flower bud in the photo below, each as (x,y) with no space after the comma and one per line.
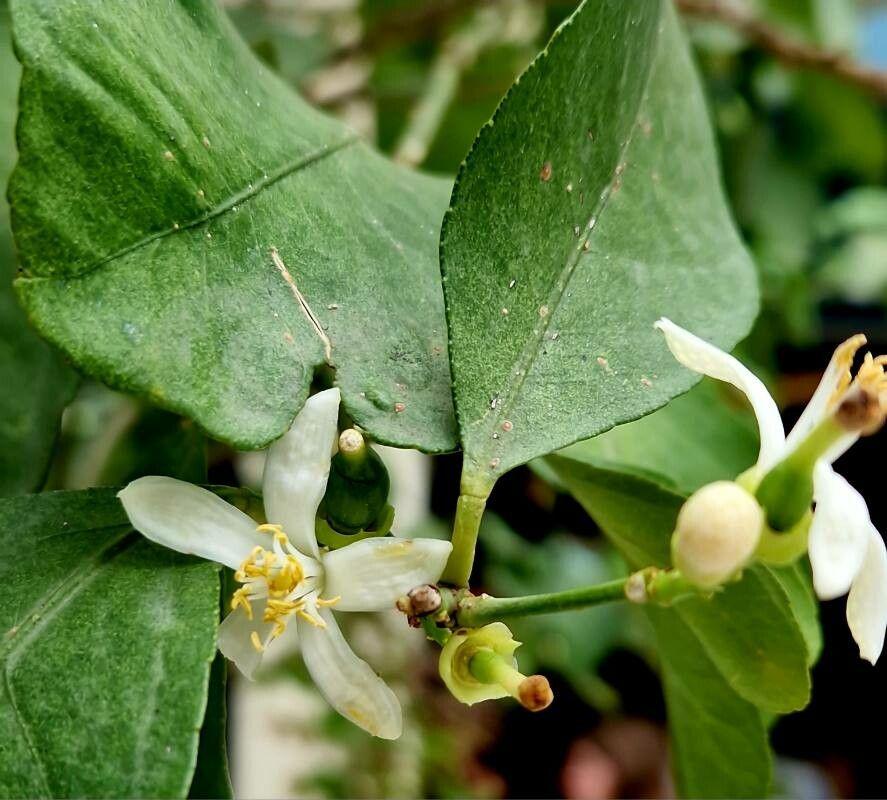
(717,531)
(357,490)
(478,664)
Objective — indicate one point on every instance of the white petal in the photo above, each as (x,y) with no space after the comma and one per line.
(839,533)
(867,603)
(235,641)
(297,469)
(700,356)
(818,407)
(190,519)
(371,574)
(346,681)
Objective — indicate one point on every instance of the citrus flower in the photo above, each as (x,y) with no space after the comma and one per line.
(288,584)
(846,551)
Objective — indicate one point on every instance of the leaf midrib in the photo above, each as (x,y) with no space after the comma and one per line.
(521,369)
(253,188)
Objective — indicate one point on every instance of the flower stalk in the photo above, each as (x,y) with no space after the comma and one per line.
(473,612)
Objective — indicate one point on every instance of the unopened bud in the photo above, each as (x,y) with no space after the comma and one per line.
(351,442)
(357,489)
(716,534)
(860,411)
(422,600)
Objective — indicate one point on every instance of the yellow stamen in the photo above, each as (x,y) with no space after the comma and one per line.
(844,355)
(317,622)
(273,575)
(240,599)
(267,527)
(331,602)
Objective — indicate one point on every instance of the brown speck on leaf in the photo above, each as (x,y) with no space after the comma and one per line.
(602,362)
(288,337)
(332,307)
(545,172)
(586,246)
(543,311)
(646,382)
(576,230)
(399,407)
(590,134)
(168,155)
(205,142)
(494,463)
(504,312)
(646,127)
(507,425)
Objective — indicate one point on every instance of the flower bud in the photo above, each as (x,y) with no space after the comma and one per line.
(478,664)
(716,534)
(357,489)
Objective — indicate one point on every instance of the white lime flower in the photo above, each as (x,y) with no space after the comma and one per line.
(286,578)
(846,551)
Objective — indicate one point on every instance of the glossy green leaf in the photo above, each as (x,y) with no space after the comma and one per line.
(588,208)
(38,385)
(106,650)
(724,659)
(705,435)
(748,628)
(797,582)
(153,184)
(719,741)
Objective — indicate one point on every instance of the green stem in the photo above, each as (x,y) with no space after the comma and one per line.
(786,492)
(469,511)
(439,635)
(457,54)
(474,612)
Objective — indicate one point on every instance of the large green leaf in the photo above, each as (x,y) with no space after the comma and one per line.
(705,435)
(748,628)
(589,207)
(724,659)
(159,165)
(719,741)
(106,650)
(36,384)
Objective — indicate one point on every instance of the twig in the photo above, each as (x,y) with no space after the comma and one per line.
(786,49)
(457,54)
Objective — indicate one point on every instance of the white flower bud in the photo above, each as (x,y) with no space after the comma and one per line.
(716,534)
